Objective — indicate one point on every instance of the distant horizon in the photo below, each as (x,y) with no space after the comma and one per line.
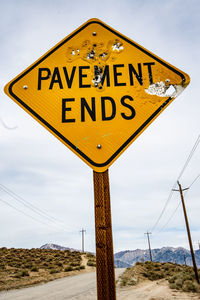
(146,249)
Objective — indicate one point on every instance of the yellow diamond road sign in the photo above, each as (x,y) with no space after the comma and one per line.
(97,91)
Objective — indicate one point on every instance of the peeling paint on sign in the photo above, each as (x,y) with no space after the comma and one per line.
(164,89)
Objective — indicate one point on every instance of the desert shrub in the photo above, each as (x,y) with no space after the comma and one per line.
(17,265)
(68,269)
(179,283)
(51,266)
(50,259)
(184,280)
(75,263)
(145,274)
(57,254)
(10,264)
(171,279)
(188,276)
(189,286)
(45,264)
(177,269)
(4,249)
(153,275)
(132,282)
(28,265)
(76,253)
(91,264)
(22,273)
(2,267)
(179,277)
(89,255)
(157,268)
(34,269)
(149,266)
(53,271)
(123,281)
(172,286)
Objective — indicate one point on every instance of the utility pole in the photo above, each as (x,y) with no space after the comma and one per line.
(188,230)
(82,231)
(150,253)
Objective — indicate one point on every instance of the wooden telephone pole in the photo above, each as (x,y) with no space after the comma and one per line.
(150,253)
(83,231)
(188,230)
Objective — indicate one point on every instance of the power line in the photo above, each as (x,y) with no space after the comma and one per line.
(189,157)
(55,226)
(181,173)
(22,212)
(163,210)
(194,181)
(33,208)
(171,217)
(24,202)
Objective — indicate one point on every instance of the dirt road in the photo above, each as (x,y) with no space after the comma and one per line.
(83,286)
(153,290)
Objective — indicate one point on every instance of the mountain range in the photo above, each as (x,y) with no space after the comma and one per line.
(128,258)
(166,254)
(56,247)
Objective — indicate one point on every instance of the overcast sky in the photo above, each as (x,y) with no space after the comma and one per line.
(40,169)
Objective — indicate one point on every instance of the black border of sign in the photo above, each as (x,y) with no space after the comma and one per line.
(58,133)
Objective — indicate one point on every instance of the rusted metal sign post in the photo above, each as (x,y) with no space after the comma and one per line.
(97,91)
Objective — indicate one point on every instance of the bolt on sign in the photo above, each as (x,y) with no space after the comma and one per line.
(97,91)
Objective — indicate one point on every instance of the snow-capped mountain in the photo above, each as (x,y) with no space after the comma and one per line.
(56,247)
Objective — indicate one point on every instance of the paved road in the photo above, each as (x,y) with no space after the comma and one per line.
(83,287)
(77,287)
